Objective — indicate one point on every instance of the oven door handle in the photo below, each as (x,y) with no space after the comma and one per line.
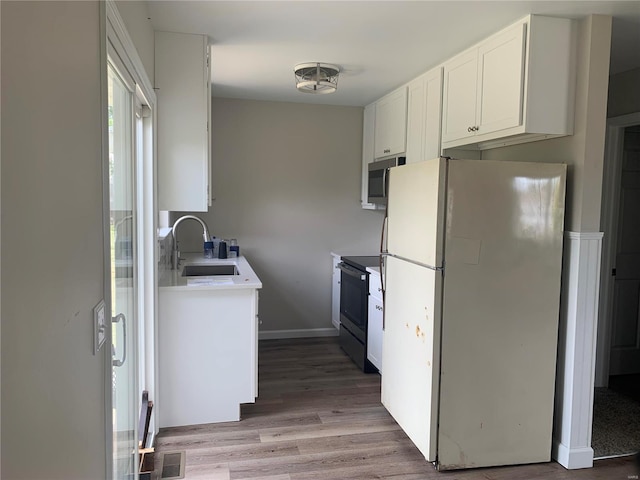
(352,271)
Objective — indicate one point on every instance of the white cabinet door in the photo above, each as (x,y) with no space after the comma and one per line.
(391,124)
(374,332)
(514,87)
(335,291)
(184,96)
(483,87)
(424,109)
(460,95)
(501,81)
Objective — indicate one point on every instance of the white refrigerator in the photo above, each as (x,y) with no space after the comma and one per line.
(472,269)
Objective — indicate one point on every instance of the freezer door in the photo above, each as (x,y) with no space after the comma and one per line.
(416,196)
(500,312)
(410,351)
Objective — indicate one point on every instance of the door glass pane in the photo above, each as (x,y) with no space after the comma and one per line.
(122,223)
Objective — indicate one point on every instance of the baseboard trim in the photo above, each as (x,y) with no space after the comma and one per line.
(572,458)
(297,333)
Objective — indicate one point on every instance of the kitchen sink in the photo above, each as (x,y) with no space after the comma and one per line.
(209,270)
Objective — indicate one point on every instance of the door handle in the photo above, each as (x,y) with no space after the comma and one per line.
(114,320)
(384,182)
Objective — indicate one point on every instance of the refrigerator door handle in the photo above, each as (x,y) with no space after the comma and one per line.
(382,279)
(420,264)
(384,182)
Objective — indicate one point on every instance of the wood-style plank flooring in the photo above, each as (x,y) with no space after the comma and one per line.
(318,417)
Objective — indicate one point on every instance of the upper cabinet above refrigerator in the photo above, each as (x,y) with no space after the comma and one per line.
(424,109)
(517,86)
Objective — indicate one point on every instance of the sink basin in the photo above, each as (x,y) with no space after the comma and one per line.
(209,270)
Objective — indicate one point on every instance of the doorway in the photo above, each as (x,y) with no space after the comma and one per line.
(616,415)
(130,239)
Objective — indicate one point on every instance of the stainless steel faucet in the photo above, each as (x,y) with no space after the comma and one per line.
(175,253)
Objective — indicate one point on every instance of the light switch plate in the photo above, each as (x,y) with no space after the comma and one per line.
(99,326)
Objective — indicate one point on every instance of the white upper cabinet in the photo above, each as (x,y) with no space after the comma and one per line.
(515,87)
(182,76)
(391,124)
(423,116)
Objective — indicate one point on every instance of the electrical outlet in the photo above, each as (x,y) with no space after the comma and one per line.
(99,326)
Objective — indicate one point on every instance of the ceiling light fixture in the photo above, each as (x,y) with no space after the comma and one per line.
(316,77)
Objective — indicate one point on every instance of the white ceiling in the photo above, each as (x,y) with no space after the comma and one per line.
(378,45)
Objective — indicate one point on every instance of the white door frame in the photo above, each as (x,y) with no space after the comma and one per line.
(614,148)
(113,31)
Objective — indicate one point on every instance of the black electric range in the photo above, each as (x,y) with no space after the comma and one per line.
(354,298)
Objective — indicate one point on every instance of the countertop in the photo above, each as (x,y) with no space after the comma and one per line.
(173,279)
(374,270)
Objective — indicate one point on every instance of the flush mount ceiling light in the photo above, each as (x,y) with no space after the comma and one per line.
(316,77)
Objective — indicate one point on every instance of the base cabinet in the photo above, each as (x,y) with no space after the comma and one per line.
(335,291)
(207,355)
(375,319)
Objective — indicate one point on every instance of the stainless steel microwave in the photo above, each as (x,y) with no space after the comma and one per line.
(379,179)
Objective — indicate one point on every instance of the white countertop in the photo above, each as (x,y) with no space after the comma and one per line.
(173,279)
(374,270)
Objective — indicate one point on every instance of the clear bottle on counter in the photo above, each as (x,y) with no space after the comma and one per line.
(216,246)
(234,249)
(208,250)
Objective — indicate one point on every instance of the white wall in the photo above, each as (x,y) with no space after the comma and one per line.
(286,178)
(53,387)
(138,23)
(624,93)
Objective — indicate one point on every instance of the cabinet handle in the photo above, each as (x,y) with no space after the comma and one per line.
(378,307)
(387,150)
(473,129)
(469,130)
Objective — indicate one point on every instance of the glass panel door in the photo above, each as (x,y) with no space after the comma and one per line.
(124,301)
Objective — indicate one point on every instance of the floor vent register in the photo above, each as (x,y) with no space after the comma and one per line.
(172,465)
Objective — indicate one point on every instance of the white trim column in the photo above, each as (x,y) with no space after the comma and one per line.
(576,350)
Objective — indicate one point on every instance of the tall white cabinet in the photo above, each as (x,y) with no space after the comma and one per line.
(183,88)
(423,116)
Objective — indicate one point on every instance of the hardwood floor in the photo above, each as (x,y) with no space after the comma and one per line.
(318,417)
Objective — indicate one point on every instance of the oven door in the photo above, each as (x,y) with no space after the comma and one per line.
(353,300)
